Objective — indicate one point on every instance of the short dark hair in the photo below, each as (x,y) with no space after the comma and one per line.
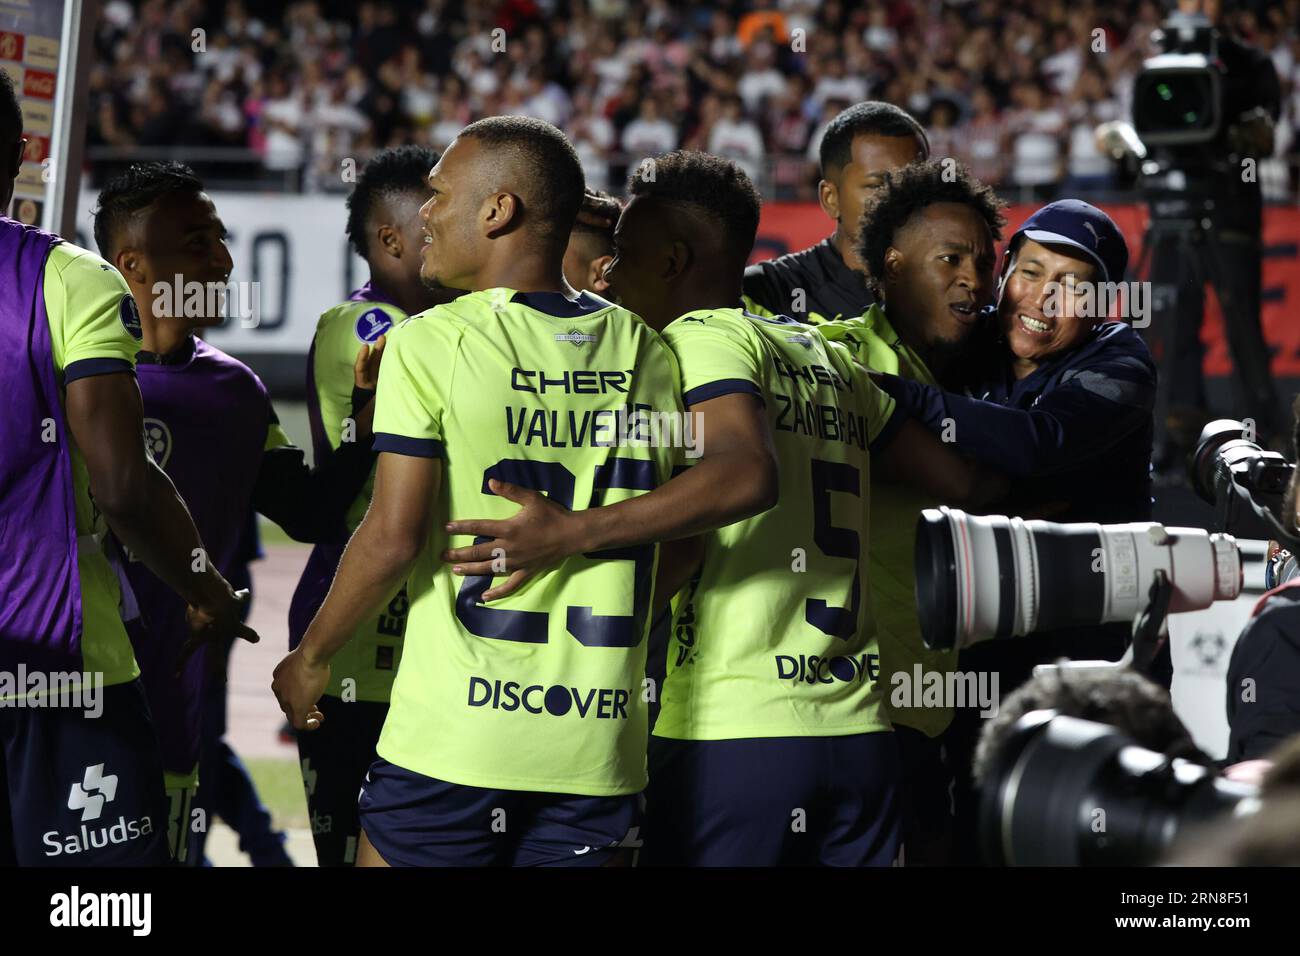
(597,218)
(1120,697)
(715,186)
(870,118)
(390,172)
(909,190)
(139,186)
(11,114)
(556,181)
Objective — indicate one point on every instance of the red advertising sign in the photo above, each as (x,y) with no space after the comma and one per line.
(38,84)
(11,45)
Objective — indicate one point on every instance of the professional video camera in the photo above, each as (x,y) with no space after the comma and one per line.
(1246,485)
(1069,792)
(1178,95)
(992,576)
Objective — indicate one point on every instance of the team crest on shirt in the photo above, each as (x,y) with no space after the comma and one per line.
(575,338)
(372,324)
(158,439)
(129,313)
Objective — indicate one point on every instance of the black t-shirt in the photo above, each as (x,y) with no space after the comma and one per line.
(831,290)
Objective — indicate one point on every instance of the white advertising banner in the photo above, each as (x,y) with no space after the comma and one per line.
(292,248)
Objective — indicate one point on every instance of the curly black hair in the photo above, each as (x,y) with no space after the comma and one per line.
(716,186)
(127,193)
(909,190)
(11,114)
(391,172)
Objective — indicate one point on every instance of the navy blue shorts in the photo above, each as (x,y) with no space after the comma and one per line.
(334,761)
(773,801)
(81,790)
(414,820)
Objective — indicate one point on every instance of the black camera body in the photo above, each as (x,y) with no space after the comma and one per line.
(1245,483)
(1178,95)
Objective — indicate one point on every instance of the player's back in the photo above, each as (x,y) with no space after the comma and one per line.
(542,690)
(775,636)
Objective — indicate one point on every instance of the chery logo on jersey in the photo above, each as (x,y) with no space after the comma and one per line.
(603,703)
(95,790)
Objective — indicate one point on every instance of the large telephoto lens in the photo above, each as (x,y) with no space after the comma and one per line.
(1070,792)
(979,577)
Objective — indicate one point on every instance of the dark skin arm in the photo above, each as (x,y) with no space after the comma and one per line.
(736,477)
(917,458)
(141,506)
(678,562)
(378,558)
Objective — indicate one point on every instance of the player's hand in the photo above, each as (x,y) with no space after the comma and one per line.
(298,685)
(215,620)
(365,370)
(541,535)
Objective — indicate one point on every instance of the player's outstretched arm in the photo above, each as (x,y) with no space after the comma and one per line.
(736,477)
(917,458)
(141,505)
(376,561)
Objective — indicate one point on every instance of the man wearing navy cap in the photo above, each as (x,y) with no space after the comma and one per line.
(1063,406)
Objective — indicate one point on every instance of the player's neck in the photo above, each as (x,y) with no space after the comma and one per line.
(163,336)
(524,269)
(843,243)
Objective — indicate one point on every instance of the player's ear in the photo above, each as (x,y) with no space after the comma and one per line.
(130,262)
(677,260)
(390,240)
(893,263)
(596,275)
(828,195)
(499,211)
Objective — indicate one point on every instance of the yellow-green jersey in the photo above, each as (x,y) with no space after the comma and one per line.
(364,669)
(542,690)
(876,345)
(94,328)
(775,637)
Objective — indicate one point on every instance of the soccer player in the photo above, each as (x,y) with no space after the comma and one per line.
(591,244)
(771,746)
(928,243)
(828,281)
(210,426)
(80,785)
(385,228)
(516,732)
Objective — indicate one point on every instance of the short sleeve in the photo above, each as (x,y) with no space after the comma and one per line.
(884,416)
(415,380)
(94,322)
(717,356)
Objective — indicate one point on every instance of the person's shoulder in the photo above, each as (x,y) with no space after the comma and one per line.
(1112,340)
(358,319)
(1276,607)
(70,264)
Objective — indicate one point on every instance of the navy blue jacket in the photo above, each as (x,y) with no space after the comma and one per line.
(1076,433)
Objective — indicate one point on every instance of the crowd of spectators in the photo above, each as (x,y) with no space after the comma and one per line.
(285,93)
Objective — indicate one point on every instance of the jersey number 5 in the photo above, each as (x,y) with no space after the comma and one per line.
(828,476)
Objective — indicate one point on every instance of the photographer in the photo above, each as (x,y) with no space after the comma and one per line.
(1218,206)
(1263,681)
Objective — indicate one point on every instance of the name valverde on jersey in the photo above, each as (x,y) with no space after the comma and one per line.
(542,690)
(775,636)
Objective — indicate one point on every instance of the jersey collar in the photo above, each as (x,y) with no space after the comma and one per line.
(556,304)
(371,293)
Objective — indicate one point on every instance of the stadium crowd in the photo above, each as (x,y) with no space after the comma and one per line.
(1012,89)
